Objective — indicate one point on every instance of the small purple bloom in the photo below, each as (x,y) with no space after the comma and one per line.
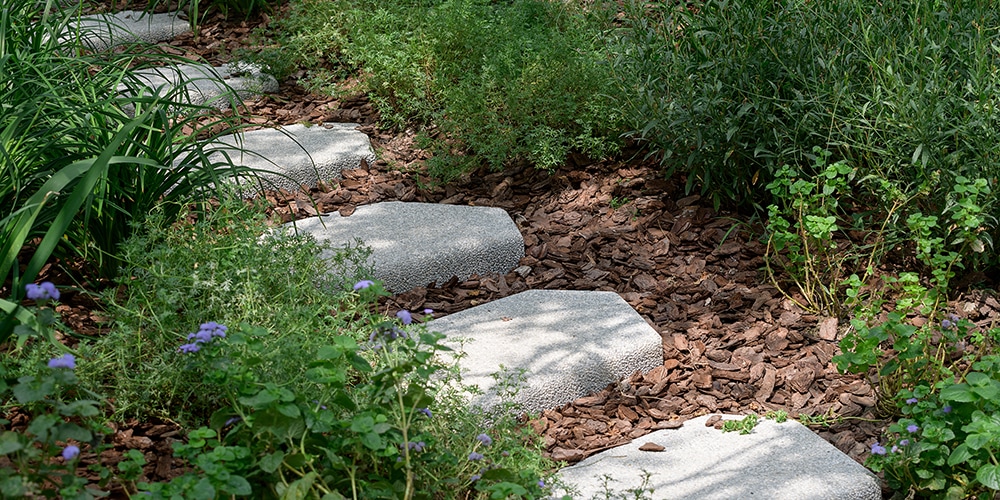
(405,317)
(202,337)
(70,452)
(486,440)
(475,477)
(912,428)
(361,285)
(912,401)
(231,421)
(189,348)
(426,411)
(953,318)
(475,456)
(541,484)
(878,450)
(904,442)
(417,447)
(946,409)
(45,291)
(895,449)
(65,361)
(428,311)
(946,324)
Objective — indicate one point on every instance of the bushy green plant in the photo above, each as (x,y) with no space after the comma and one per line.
(229,265)
(86,148)
(730,90)
(378,418)
(514,81)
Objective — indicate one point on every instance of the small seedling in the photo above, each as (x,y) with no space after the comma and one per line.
(744,425)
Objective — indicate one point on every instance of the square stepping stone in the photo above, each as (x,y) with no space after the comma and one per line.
(207,85)
(414,244)
(298,154)
(775,461)
(569,343)
(103,31)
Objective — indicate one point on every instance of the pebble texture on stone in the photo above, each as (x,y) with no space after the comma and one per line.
(209,86)
(333,147)
(414,244)
(570,344)
(776,461)
(104,31)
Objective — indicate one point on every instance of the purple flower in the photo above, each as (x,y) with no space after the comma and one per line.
(417,447)
(475,456)
(912,428)
(912,401)
(878,450)
(541,484)
(231,421)
(486,440)
(428,311)
(953,318)
(405,317)
(361,285)
(189,348)
(904,442)
(45,291)
(64,361)
(214,329)
(475,477)
(895,449)
(201,337)
(946,324)
(70,452)
(426,411)
(946,409)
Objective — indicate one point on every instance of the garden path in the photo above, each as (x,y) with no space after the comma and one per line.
(729,343)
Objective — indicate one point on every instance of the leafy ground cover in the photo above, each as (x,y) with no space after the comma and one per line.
(736,338)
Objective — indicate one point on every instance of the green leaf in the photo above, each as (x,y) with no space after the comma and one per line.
(960,454)
(289,410)
(299,489)
(958,392)
(372,441)
(260,400)
(203,490)
(238,485)
(328,352)
(9,443)
(270,462)
(989,475)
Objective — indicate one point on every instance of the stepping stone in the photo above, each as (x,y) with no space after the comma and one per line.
(104,31)
(776,461)
(206,85)
(299,154)
(414,244)
(569,344)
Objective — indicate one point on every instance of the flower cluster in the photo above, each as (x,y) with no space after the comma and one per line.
(951,322)
(42,292)
(67,361)
(206,333)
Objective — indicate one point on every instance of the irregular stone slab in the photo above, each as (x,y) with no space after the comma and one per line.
(206,85)
(103,31)
(776,461)
(569,343)
(298,154)
(414,244)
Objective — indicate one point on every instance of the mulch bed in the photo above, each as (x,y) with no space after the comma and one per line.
(732,342)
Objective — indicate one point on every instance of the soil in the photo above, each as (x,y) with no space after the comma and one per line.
(733,343)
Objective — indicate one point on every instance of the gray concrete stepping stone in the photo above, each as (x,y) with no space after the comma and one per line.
(414,244)
(209,86)
(104,31)
(776,461)
(569,343)
(299,154)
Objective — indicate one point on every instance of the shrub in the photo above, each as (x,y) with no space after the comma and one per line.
(514,81)
(728,91)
